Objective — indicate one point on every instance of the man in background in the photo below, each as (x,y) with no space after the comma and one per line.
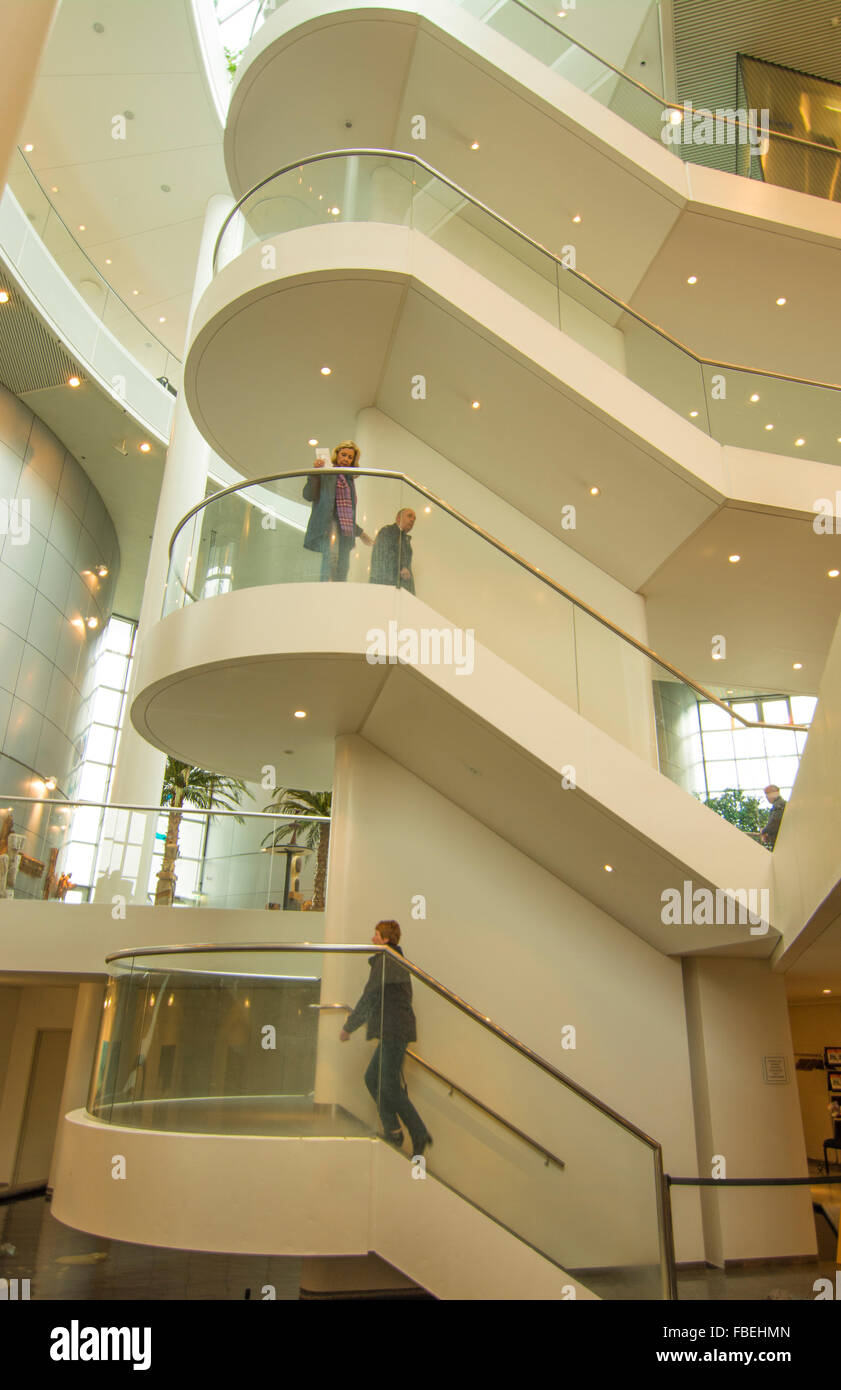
(391,558)
(772,827)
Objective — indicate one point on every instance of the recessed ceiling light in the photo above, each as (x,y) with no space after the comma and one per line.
(577,217)
(145,447)
(608,868)
(312,441)
(693,414)
(92,623)
(325,371)
(82,227)
(476,404)
(165,188)
(833,574)
(28,149)
(798,443)
(730,692)
(769,427)
(78,623)
(781,301)
(108,260)
(675,117)
(826,991)
(754,398)
(102,571)
(717,656)
(693,280)
(797,666)
(74,381)
(427,510)
(595,491)
(4,296)
(300,714)
(50,783)
(135,291)
(734,559)
(335,211)
(54,188)
(475,145)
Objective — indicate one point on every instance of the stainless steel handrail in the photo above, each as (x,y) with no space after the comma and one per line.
(107,284)
(661,1194)
(480,1105)
(161,810)
(330,948)
(512,555)
(536,245)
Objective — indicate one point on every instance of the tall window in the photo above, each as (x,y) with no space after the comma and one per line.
(751,759)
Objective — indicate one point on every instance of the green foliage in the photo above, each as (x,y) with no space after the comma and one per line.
(739,809)
(290,801)
(233,59)
(194,786)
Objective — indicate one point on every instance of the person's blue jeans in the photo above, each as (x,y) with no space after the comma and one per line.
(335,554)
(385,1082)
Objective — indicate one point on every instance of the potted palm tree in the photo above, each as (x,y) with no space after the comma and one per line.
(190,786)
(315,835)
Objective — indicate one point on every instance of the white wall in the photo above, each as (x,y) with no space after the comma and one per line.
(533,955)
(38,1007)
(737,1016)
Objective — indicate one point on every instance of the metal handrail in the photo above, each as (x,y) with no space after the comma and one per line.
(665,102)
(480,1105)
(524,236)
(512,555)
(331,948)
(161,810)
(108,286)
(661,1193)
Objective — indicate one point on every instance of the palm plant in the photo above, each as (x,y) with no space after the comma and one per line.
(190,786)
(290,801)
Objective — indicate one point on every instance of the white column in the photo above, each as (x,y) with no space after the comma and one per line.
(139,771)
(24,29)
(83,1040)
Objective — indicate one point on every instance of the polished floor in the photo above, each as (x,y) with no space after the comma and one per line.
(64,1264)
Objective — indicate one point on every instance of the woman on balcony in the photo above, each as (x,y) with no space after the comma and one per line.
(332,527)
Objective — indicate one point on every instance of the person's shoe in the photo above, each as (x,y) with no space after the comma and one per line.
(394,1137)
(418,1150)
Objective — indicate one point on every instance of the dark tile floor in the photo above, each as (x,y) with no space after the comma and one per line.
(65,1264)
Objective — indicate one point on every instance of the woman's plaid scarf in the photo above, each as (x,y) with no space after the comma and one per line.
(344,505)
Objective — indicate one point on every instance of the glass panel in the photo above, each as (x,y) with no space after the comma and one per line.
(363,1048)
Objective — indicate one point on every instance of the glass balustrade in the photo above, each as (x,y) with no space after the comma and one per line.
(182,1048)
(102,301)
(82,852)
(731,403)
(253,535)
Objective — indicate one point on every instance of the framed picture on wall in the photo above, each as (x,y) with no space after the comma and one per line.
(832,1058)
(833,1082)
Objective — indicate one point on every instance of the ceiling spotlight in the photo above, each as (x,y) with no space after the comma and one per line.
(427,510)
(693,414)
(577,217)
(78,623)
(82,227)
(797,666)
(754,398)
(162,319)
(476,404)
(734,559)
(135,291)
(92,623)
(693,280)
(108,260)
(300,714)
(27,149)
(826,991)
(781,301)
(54,188)
(833,574)
(325,371)
(608,868)
(675,117)
(595,491)
(475,145)
(74,381)
(769,427)
(4,296)
(50,783)
(145,447)
(312,441)
(798,443)
(717,656)
(102,571)
(334,211)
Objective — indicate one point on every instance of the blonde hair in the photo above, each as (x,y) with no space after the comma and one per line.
(390,932)
(347,444)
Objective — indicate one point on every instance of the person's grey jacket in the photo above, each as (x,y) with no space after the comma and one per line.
(392,553)
(320,489)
